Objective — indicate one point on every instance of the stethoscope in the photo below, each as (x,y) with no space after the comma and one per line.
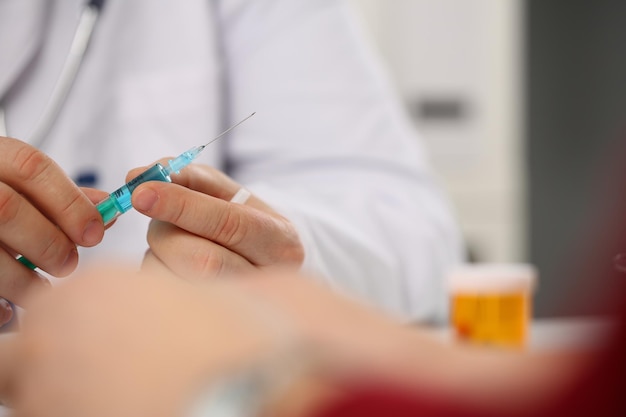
(80,42)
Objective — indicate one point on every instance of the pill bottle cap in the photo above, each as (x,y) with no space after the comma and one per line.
(492,278)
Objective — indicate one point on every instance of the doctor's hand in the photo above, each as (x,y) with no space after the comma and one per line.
(43,216)
(197,231)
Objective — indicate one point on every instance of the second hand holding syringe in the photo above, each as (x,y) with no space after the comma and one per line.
(119,201)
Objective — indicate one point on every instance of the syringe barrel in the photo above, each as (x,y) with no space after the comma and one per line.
(119,201)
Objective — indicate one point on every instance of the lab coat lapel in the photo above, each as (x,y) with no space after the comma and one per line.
(22,24)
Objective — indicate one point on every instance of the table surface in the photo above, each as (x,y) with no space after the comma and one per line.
(559,333)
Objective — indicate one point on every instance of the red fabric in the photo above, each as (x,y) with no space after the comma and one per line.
(379,401)
(600,392)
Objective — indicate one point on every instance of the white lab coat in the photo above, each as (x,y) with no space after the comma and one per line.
(329,148)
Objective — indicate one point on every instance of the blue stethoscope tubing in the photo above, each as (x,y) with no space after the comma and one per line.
(73,61)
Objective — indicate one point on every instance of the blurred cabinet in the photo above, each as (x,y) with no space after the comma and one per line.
(457,66)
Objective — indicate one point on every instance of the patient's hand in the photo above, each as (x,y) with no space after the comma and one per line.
(115,343)
(118,343)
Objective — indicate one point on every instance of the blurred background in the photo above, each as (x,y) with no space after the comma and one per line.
(520,103)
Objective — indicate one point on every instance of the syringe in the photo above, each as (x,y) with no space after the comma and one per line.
(119,201)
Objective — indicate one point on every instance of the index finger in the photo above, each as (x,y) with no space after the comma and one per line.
(259,237)
(206,180)
(36,176)
(197,177)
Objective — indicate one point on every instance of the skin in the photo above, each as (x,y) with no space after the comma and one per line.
(43,216)
(166,339)
(197,232)
(64,363)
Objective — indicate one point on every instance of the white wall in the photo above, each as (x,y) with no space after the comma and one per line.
(466,51)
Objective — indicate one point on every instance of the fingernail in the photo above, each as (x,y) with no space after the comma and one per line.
(144,199)
(70,263)
(6,312)
(45,281)
(93,233)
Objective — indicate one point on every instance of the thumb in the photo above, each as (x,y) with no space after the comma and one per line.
(96,196)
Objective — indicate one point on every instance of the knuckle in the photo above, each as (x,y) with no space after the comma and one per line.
(294,254)
(291,251)
(69,207)
(55,250)
(30,163)
(229,230)
(206,263)
(176,216)
(10,203)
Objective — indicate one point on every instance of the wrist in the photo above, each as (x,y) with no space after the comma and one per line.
(288,385)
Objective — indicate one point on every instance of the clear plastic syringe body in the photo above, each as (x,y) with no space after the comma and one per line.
(119,201)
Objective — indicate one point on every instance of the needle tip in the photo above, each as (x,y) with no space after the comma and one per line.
(227,130)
